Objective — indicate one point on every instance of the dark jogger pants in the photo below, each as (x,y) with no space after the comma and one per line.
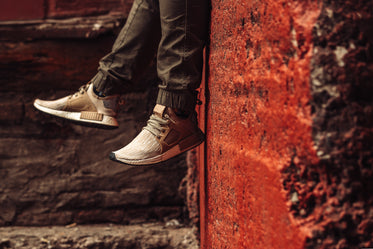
(174,29)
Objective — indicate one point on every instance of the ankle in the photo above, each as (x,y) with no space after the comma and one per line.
(98,93)
(181,113)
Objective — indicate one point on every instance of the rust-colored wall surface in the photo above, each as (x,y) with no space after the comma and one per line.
(258,120)
(289,123)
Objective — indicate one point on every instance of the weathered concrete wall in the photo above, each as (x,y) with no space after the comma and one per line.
(340,199)
(56,172)
(289,161)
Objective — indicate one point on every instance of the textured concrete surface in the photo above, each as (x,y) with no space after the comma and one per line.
(106,236)
(258,120)
(289,161)
(340,200)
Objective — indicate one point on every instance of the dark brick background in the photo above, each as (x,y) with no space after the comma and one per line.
(56,172)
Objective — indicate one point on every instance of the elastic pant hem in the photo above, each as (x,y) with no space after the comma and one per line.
(183,100)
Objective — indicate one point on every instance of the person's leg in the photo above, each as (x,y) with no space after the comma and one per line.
(180,52)
(133,50)
(96,103)
(172,129)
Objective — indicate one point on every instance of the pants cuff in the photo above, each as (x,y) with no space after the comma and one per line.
(105,84)
(184,100)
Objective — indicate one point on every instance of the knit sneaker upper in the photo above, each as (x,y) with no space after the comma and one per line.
(166,135)
(83,106)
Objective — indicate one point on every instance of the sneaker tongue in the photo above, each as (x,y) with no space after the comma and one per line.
(159,110)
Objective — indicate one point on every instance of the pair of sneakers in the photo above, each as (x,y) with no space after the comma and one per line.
(165,135)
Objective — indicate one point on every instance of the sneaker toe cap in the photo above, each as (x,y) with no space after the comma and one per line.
(112,156)
(58,104)
(38,102)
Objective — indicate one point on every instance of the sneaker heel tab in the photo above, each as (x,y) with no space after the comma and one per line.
(159,109)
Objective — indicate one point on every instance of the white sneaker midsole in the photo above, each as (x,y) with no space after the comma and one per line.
(106,120)
(174,151)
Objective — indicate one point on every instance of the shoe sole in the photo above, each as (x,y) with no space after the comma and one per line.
(174,151)
(107,121)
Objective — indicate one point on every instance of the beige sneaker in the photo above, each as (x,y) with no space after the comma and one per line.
(165,136)
(83,106)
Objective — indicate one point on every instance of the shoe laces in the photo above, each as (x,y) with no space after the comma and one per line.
(81,90)
(156,124)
